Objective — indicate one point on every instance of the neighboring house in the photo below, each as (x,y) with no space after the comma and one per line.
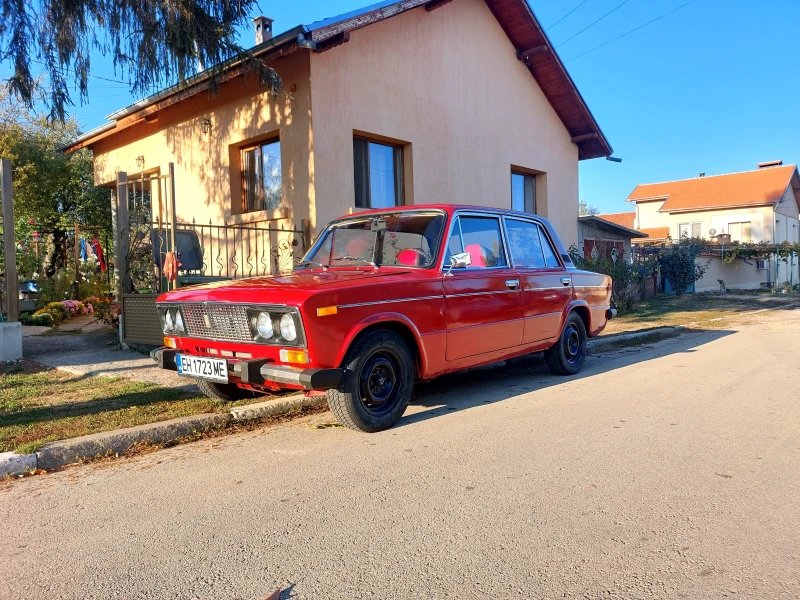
(606,235)
(405,102)
(753,206)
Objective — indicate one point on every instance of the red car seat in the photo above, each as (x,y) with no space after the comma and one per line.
(408,257)
(478,255)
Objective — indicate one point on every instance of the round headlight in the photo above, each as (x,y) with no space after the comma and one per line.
(288,330)
(264,326)
(179,322)
(168,323)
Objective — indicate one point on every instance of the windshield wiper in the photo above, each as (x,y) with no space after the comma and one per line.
(304,263)
(357,258)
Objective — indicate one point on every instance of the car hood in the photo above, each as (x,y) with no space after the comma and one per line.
(276,288)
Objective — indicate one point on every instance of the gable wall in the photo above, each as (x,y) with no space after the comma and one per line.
(448,85)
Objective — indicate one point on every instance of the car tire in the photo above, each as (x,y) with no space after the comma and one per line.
(567,355)
(377,383)
(224,392)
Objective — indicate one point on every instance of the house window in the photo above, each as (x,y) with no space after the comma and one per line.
(523,192)
(378,174)
(740,232)
(689,230)
(262,187)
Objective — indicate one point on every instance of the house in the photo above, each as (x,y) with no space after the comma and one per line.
(762,205)
(607,235)
(403,102)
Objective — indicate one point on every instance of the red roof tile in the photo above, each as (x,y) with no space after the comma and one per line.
(653,234)
(763,186)
(623,219)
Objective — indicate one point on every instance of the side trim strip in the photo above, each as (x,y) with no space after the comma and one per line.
(482,293)
(543,289)
(592,287)
(390,301)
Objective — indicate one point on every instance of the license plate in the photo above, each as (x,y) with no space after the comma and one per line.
(214,369)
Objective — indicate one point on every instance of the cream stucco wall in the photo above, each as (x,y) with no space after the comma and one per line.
(760,218)
(207,169)
(448,86)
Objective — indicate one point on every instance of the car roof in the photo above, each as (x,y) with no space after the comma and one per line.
(450,209)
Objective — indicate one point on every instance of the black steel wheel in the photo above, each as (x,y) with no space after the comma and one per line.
(377,384)
(567,355)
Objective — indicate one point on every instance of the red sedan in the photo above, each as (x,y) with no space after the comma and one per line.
(385,298)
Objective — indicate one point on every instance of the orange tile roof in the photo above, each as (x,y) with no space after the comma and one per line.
(623,219)
(763,186)
(653,234)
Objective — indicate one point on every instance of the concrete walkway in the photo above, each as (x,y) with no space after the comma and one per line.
(96,353)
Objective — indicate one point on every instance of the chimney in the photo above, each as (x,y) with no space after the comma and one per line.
(702,175)
(770,163)
(263,27)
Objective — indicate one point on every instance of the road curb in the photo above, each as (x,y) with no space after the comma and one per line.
(623,337)
(65,452)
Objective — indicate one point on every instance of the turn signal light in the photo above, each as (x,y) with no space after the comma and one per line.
(324,311)
(294,356)
(170,343)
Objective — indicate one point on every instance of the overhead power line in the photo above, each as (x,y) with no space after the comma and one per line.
(566,15)
(630,32)
(594,23)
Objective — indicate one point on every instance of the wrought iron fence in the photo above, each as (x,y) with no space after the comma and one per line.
(230,251)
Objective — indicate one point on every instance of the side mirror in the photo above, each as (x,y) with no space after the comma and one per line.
(460,261)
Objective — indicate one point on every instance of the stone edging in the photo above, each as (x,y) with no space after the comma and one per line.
(65,452)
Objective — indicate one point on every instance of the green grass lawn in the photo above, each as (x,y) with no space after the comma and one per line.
(662,311)
(38,406)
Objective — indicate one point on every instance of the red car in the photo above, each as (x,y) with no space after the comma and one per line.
(384,298)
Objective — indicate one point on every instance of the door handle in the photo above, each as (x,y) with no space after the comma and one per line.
(512,284)
(566,280)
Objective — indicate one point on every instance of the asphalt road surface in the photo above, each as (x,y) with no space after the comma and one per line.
(668,471)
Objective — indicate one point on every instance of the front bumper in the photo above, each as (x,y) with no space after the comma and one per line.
(261,372)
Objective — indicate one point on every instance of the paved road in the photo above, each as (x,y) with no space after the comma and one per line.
(669,471)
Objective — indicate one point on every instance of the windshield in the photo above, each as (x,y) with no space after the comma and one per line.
(402,239)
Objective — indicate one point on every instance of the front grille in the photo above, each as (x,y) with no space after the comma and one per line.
(226,321)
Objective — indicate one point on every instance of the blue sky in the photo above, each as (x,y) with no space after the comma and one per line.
(712,87)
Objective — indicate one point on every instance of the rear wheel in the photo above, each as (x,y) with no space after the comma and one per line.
(567,355)
(225,392)
(377,383)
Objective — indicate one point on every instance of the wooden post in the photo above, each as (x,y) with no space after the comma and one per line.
(122,235)
(76,284)
(306,234)
(171,167)
(12,279)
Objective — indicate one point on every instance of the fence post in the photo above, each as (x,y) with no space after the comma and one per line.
(12,279)
(122,237)
(306,223)
(171,167)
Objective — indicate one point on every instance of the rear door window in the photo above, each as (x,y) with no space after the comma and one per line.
(525,244)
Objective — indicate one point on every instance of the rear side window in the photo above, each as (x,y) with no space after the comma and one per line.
(530,246)
(525,244)
(481,238)
(549,254)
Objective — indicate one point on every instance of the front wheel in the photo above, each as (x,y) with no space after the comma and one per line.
(567,355)
(377,383)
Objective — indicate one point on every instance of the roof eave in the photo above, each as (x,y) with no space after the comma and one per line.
(610,225)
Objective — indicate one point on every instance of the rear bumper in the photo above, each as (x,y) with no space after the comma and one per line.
(261,372)
(611,313)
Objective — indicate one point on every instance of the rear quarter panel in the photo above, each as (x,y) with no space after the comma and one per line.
(592,290)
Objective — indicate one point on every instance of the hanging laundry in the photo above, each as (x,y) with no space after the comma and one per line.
(98,252)
(171,266)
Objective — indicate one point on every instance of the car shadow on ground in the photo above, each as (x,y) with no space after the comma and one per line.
(507,379)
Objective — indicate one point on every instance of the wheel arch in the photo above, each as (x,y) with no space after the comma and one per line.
(581,307)
(396,323)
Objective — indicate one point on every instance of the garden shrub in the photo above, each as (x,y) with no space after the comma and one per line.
(678,265)
(621,272)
